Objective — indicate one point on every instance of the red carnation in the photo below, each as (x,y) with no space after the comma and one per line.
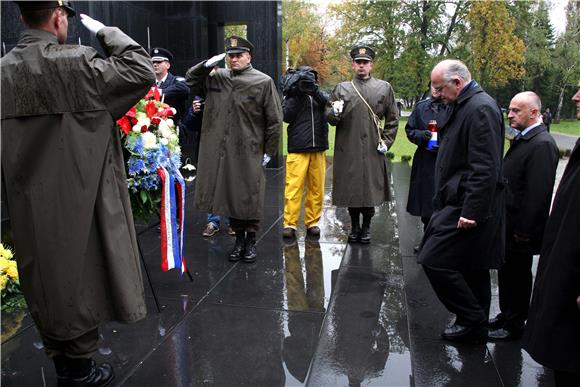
(150,109)
(144,128)
(131,113)
(155,120)
(125,124)
(134,120)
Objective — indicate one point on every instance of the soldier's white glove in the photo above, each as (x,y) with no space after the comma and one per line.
(382,148)
(337,107)
(266,159)
(215,60)
(91,24)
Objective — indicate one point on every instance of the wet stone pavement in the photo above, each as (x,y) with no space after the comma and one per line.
(314,312)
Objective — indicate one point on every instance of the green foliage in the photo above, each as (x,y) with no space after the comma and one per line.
(145,204)
(496,54)
(12,298)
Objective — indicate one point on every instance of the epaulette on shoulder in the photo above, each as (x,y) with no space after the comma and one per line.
(180,79)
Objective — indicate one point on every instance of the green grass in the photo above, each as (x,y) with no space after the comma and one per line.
(400,148)
(567,127)
(403,147)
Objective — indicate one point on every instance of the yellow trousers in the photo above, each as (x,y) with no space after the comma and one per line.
(304,169)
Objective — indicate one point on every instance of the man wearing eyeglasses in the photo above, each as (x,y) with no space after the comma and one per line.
(465,237)
(65,183)
(360,176)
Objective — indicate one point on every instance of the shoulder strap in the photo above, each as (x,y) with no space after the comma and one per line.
(375,117)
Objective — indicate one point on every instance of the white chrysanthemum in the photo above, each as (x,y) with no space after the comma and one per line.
(164,129)
(163,141)
(149,140)
(170,122)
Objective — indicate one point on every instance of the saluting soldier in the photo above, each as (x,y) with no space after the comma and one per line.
(240,132)
(66,186)
(360,176)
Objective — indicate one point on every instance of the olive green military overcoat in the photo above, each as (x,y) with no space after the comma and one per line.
(242,120)
(360,176)
(65,180)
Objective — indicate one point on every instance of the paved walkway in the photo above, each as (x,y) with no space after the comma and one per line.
(312,312)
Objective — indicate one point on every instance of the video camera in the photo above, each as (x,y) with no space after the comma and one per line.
(300,81)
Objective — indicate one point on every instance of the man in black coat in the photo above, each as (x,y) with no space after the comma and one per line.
(530,169)
(465,237)
(421,190)
(174,89)
(552,333)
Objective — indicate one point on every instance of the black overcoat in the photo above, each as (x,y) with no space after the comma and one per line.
(176,94)
(552,334)
(530,170)
(421,190)
(469,184)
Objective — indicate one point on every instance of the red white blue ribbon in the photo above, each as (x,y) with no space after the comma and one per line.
(172,186)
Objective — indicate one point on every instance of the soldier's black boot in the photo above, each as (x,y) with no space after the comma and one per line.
(365,232)
(355,228)
(250,255)
(238,251)
(82,372)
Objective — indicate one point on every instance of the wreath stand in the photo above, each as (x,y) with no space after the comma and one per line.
(149,227)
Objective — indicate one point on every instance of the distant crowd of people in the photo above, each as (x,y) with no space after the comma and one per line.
(65,183)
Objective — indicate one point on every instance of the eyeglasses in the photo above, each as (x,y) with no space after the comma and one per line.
(439,89)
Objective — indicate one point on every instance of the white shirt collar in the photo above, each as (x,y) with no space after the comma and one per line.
(526,130)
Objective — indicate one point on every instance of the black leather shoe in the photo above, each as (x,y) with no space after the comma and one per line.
(462,334)
(502,334)
(98,376)
(250,255)
(238,251)
(496,323)
(313,231)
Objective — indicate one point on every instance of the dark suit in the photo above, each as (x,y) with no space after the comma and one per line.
(552,334)
(421,190)
(530,169)
(469,184)
(176,93)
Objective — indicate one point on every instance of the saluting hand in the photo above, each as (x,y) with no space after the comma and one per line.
(215,60)
(466,223)
(91,24)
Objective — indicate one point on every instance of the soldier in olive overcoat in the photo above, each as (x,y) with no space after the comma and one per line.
(241,130)
(360,178)
(65,182)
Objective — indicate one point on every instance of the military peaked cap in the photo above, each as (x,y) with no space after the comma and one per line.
(362,52)
(38,5)
(159,54)
(237,44)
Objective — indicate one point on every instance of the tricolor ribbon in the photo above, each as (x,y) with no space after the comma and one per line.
(172,207)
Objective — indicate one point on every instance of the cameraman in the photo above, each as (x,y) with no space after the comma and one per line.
(303,107)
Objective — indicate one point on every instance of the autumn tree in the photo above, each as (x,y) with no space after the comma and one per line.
(566,58)
(496,53)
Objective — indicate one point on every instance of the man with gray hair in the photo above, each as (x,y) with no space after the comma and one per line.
(530,169)
(465,236)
